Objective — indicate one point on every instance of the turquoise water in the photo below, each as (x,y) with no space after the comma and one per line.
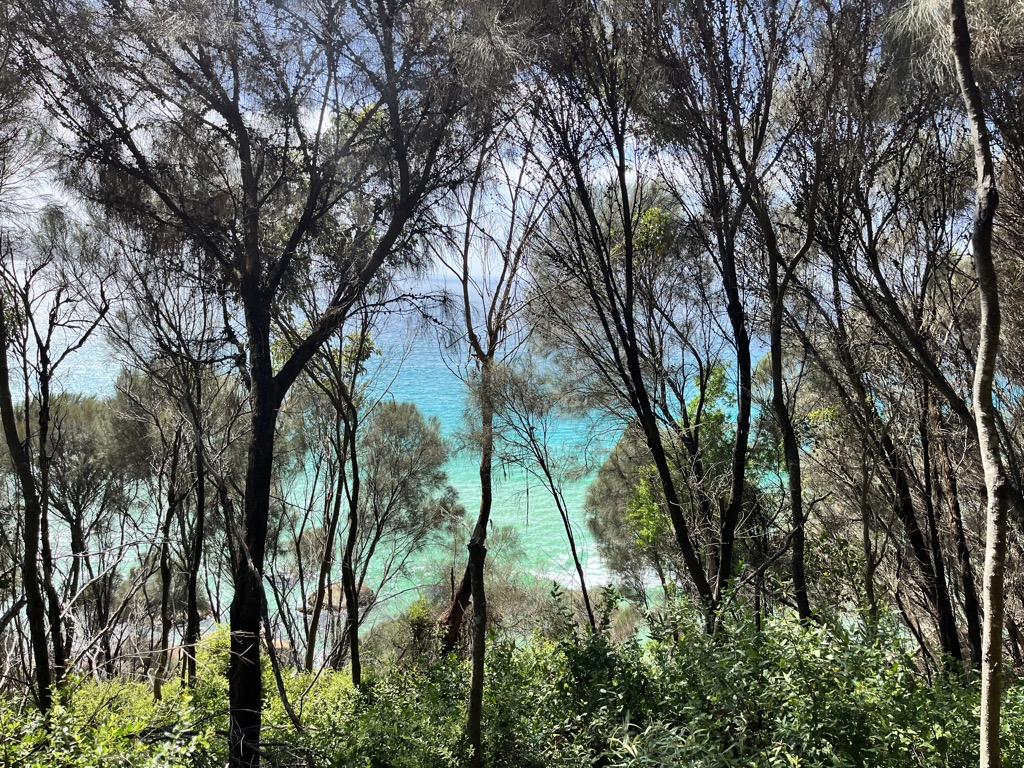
(425,377)
(520,501)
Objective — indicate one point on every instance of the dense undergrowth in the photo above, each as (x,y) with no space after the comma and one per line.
(781,695)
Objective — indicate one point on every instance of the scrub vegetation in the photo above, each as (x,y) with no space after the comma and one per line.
(761,258)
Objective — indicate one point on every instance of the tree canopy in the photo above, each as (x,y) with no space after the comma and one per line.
(731,284)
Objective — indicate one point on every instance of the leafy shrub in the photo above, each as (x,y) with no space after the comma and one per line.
(105,724)
(782,695)
(407,716)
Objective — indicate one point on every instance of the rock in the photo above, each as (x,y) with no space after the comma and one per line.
(334,599)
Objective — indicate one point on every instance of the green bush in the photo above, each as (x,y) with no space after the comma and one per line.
(784,695)
(407,716)
(105,724)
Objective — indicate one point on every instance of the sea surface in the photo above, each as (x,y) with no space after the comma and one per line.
(416,365)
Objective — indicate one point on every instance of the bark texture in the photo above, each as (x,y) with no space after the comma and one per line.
(996,483)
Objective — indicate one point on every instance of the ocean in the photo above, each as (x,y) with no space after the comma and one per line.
(414,368)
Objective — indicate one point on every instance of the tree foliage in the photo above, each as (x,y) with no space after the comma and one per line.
(765,249)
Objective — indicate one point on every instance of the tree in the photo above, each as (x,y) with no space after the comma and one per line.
(886,215)
(173,341)
(284,144)
(405,499)
(32,514)
(527,404)
(996,483)
(92,491)
(746,61)
(593,255)
(44,318)
(337,382)
(12,154)
(494,228)
(635,544)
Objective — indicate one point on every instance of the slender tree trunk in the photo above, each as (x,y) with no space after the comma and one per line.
(972,605)
(790,445)
(326,561)
(662,579)
(865,533)
(556,494)
(474,574)
(451,621)
(477,554)
(165,571)
(936,591)
(348,571)
(195,561)
(915,629)
(560,502)
(675,507)
(611,289)
(79,562)
(35,608)
(104,595)
(61,645)
(688,434)
(996,485)
(741,337)
(474,720)
(948,630)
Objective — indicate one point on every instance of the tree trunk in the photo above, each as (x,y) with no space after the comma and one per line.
(165,571)
(348,571)
(972,605)
(865,534)
(675,508)
(61,645)
(790,445)
(245,684)
(996,484)
(194,566)
(741,337)
(563,512)
(936,591)
(451,621)
(326,561)
(35,608)
(79,559)
(948,629)
(474,728)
